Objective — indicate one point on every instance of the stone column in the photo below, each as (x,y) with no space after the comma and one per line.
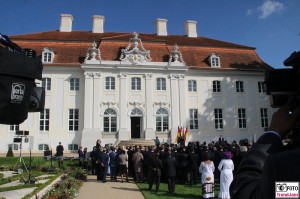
(174,106)
(182,104)
(149,132)
(88,101)
(123,131)
(96,104)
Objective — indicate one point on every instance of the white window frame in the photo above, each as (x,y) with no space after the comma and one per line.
(219,123)
(162,120)
(194,120)
(15,147)
(46,83)
(242,117)
(110,121)
(14,128)
(74,84)
(43,147)
(264,118)
(136,83)
(216,86)
(73,120)
(47,55)
(214,60)
(44,122)
(192,85)
(110,83)
(73,147)
(161,84)
(239,86)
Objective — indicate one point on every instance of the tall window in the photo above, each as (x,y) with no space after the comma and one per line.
(110,83)
(242,118)
(43,147)
(135,83)
(239,86)
(214,60)
(161,84)
(46,83)
(73,119)
(264,117)
(74,84)
(261,87)
(218,118)
(216,86)
(110,121)
(44,120)
(193,119)
(13,128)
(162,120)
(192,84)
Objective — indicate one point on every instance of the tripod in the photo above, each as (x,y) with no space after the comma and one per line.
(21,160)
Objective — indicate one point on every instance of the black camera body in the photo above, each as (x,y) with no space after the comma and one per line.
(284,84)
(18,91)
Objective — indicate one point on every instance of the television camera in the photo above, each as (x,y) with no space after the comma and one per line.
(19,93)
(283,85)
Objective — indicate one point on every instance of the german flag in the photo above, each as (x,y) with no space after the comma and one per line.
(186,133)
(179,134)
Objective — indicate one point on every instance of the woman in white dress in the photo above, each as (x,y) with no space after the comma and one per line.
(207,169)
(226,167)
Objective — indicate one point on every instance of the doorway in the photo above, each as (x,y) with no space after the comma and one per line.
(135,127)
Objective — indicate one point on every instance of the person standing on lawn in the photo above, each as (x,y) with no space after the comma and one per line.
(60,154)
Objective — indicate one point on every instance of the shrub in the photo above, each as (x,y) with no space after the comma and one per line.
(10,152)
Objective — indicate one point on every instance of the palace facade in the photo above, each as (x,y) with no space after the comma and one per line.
(121,86)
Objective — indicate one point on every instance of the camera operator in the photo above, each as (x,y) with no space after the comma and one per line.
(265,163)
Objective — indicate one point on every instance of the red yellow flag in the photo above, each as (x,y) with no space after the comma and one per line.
(186,133)
(179,133)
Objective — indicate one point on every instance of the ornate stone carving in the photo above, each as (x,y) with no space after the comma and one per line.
(175,55)
(135,56)
(136,104)
(123,75)
(108,104)
(88,74)
(173,76)
(148,75)
(93,53)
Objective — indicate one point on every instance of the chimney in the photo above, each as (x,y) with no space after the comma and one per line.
(66,23)
(191,28)
(98,24)
(161,27)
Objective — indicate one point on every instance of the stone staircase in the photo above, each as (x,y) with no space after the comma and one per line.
(135,142)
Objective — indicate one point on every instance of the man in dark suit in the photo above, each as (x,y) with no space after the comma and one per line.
(154,172)
(60,154)
(169,166)
(193,164)
(265,163)
(103,160)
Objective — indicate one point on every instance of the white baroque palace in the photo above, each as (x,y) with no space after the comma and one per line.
(122,86)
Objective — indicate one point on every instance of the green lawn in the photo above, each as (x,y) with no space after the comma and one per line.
(181,191)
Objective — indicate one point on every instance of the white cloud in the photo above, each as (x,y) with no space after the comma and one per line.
(269,7)
(249,12)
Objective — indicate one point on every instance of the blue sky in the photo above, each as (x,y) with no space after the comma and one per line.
(271,26)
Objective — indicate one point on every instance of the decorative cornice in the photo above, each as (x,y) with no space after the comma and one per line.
(135,56)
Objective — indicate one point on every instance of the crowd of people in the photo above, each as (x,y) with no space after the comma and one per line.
(172,163)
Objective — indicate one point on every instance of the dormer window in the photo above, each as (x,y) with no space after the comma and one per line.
(47,55)
(215,60)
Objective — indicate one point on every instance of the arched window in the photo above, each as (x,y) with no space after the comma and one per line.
(110,120)
(136,112)
(162,120)
(47,55)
